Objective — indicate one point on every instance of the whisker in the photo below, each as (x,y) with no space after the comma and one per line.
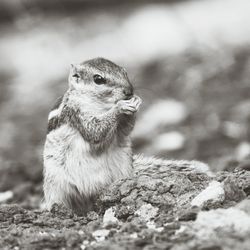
(148,90)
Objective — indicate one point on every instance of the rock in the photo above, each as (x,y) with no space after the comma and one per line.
(155,211)
(170,141)
(5,196)
(242,151)
(213,193)
(101,234)
(233,192)
(240,178)
(231,221)
(109,218)
(92,216)
(189,214)
(217,229)
(168,186)
(234,130)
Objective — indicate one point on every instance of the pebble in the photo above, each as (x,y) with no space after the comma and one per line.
(5,196)
(242,151)
(170,141)
(214,193)
(109,217)
(101,234)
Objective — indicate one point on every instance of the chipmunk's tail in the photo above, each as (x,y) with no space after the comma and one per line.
(141,162)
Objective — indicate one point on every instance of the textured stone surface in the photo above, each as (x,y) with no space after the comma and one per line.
(152,210)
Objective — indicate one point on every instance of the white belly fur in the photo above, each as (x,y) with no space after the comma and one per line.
(67,160)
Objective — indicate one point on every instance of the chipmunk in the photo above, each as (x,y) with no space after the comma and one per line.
(88,143)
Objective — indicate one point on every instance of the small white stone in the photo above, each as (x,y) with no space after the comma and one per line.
(151,225)
(133,235)
(4,196)
(85,243)
(81,232)
(101,234)
(169,141)
(243,150)
(44,233)
(159,229)
(83,247)
(233,129)
(109,217)
(213,192)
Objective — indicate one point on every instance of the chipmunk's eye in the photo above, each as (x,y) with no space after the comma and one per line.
(77,76)
(99,79)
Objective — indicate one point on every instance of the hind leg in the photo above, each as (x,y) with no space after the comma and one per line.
(54,191)
(61,192)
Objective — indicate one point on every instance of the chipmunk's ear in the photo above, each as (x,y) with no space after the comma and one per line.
(74,75)
(73,67)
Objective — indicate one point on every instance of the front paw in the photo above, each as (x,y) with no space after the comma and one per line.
(130,106)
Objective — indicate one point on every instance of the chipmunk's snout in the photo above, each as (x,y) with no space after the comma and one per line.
(128,92)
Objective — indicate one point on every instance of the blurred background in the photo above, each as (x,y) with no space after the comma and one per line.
(189,61)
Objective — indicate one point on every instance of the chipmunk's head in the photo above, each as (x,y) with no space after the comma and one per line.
(102,79)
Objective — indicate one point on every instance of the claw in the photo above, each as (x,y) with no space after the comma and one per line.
(130,106)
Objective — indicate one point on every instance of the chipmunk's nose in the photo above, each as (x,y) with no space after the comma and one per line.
(128,92)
